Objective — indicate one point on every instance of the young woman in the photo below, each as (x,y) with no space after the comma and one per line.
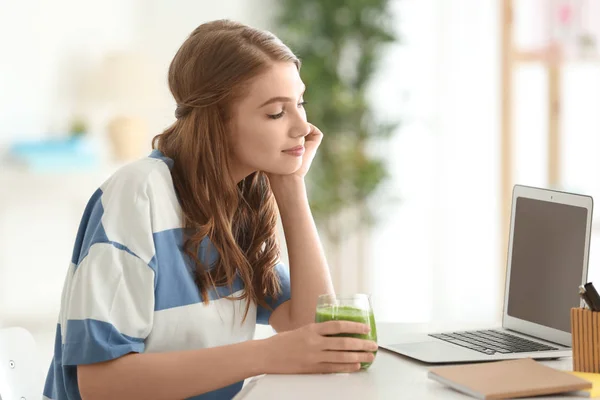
(176,258)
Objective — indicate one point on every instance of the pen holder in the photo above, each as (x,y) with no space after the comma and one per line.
(585,333)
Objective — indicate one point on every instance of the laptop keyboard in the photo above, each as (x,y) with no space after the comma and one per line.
(492,342)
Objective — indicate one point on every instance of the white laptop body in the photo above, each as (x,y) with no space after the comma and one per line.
(548,253)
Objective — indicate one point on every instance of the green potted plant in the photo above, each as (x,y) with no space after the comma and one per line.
(78,128)
(340,43)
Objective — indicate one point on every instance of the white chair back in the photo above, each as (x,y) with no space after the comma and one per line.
(18,365)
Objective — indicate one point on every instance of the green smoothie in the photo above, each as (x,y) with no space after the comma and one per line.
(347,313)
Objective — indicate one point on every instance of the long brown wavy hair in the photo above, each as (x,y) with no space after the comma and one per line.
(209,73)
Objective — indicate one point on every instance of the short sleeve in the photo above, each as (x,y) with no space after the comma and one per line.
(107,305)
(263,314)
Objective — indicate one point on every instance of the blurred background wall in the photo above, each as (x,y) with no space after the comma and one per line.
(83,88)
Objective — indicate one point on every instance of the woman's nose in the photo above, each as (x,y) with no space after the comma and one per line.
(301,129)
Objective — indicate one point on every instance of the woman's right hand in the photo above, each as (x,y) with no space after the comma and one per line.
(309,349)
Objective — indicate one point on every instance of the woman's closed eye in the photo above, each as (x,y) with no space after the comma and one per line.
(279,115)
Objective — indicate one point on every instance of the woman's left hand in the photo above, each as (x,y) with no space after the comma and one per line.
(311,143)
(283,183)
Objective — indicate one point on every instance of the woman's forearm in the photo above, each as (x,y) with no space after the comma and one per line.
(309,272)
(172,375)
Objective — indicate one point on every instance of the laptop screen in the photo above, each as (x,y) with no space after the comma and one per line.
(547,262)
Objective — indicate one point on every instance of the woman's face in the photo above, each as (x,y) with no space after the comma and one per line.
(268,126)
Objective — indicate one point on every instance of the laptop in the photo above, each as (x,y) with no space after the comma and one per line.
(547,260)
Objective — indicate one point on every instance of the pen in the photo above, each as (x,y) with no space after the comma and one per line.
(584,296)
(592,296)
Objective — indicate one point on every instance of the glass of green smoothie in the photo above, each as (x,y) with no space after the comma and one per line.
(355,307)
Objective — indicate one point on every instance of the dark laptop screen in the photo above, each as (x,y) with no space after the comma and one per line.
(547,262)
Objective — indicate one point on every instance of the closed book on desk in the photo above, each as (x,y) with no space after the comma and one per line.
(507,379)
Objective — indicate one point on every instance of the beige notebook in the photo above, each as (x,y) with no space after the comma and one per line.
(507,379)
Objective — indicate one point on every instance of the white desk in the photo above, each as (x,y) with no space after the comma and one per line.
(390,377)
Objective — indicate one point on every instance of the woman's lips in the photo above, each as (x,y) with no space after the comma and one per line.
(295,151)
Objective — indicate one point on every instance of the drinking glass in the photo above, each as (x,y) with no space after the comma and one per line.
(355,307)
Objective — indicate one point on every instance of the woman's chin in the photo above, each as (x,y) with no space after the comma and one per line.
(286,169)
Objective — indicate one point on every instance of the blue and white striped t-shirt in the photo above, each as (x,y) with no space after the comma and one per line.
(130,287)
